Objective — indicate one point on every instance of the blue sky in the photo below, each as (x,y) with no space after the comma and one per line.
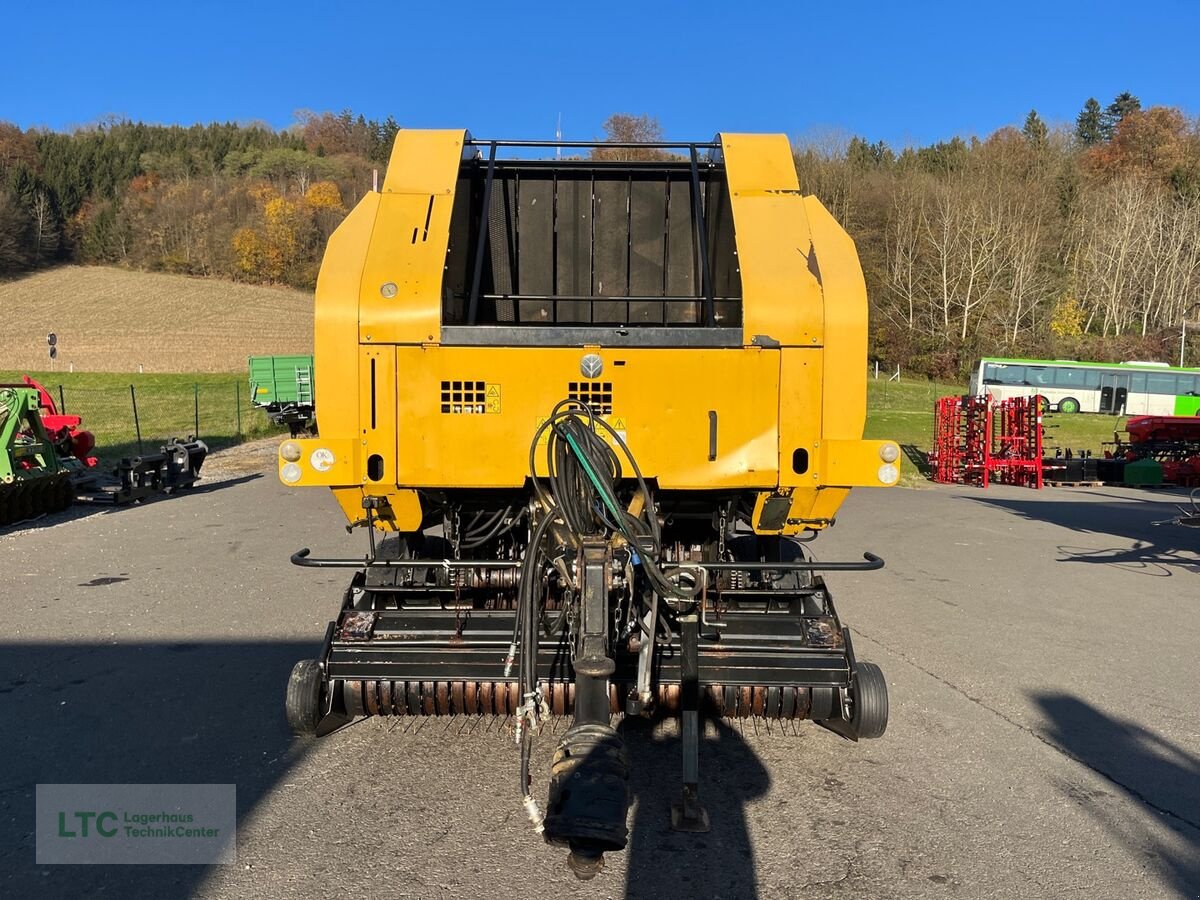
(904,72)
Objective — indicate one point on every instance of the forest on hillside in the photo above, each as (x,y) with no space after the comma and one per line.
(1071,242)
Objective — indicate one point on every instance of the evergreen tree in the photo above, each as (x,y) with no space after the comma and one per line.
(1089,124)
(862,155)
(1035,130)
(1123,104)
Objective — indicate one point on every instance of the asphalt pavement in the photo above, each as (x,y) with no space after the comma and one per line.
(1040,651)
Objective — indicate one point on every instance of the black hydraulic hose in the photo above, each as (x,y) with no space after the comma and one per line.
(573,493)
(528,636)
(497,528)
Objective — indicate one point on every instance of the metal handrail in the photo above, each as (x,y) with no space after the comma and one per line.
(616,145)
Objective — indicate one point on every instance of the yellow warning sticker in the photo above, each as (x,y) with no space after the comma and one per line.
(492,399)
(617,423)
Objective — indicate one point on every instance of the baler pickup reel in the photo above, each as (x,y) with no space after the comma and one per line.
(591,602)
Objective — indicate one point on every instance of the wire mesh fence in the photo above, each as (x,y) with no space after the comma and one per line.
(131,420)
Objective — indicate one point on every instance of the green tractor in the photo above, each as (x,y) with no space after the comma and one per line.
(32,478)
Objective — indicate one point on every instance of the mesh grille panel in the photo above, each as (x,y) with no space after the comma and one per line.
(463,397)
(596,394)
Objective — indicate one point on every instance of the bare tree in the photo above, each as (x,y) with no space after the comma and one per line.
(45,226)
(626,128)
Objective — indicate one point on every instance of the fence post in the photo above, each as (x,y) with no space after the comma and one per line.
(237,393)
(62,401)
(137,426)
(196,409)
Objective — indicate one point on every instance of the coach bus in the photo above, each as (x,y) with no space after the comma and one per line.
(1119,389)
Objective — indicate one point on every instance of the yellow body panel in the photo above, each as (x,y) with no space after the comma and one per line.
(661,400)
(844,383)
(789,404)
(783,302)
(401,294)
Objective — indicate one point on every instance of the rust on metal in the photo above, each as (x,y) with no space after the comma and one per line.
(442,698)
(485,697)
(385,698)
(427,697)
(823,631)
(356,625)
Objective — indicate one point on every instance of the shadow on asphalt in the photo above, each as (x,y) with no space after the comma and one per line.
(205,712)
(664,863)
(1161,776)
(1161,545)
(84,510)
(135,713)
(1141,558)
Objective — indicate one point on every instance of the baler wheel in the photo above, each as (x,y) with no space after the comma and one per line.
(870,716)
(304,697)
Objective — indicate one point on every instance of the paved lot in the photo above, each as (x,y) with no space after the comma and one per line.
(1040,649)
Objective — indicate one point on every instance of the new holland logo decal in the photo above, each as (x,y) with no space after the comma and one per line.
(591,365)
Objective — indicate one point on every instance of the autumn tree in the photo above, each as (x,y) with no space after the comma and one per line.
(1154,142)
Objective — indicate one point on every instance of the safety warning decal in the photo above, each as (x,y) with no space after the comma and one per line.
(492,399)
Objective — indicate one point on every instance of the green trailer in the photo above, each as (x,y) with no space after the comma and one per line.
(283,386)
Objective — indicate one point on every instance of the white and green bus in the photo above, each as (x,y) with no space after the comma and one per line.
(1119,389)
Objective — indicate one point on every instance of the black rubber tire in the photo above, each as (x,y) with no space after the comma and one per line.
(1068,405)
(304,697)
(870,701)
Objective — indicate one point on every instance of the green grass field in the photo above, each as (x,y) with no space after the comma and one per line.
(215,408)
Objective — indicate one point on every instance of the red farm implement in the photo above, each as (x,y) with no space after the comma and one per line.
(1172,441)
(978,440)
(69,438)
(46,462)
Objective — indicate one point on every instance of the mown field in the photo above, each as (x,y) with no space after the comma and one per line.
(115,320)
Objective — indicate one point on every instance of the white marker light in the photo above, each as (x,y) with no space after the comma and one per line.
(889,453)
(290,451)
(290,473)
(888,474)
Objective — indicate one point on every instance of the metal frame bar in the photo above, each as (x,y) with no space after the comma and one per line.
(617,145)
(484,221)
(870,563)
(698,220)
(602,335)
(301,558)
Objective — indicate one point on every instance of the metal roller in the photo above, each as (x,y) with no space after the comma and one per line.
(474,698)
